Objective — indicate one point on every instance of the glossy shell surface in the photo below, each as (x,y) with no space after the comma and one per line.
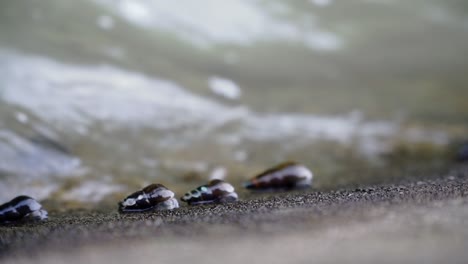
(288,175)
(152,197)
(216,191)
(22,208)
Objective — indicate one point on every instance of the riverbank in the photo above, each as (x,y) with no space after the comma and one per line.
(418,220)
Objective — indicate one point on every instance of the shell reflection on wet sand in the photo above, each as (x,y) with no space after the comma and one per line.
(22,208)
(285,176)
(216,191)
(152,197)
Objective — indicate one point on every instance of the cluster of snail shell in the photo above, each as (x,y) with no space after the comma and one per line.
(285,176)
(288,175)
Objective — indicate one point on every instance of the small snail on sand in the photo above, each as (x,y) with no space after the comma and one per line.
(152,197)
(22,208)
(285,176)
(216,191)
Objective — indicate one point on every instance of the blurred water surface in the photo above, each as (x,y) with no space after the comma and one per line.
(100,97)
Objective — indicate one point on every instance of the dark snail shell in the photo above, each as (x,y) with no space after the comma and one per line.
(288,175)
(152,197)
(216,191)
(22,208)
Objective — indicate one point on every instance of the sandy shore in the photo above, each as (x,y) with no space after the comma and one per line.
(423,221)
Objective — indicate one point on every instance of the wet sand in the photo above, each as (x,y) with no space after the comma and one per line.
(423,221)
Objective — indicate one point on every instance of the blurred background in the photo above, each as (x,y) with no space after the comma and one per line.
(101,97)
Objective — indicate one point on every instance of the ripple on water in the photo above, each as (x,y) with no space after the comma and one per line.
(194,22)
(85,94)
(78,100)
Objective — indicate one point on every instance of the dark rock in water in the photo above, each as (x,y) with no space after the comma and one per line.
(216,191)
(287,175)
(22,208)
(152,197)
(462,154)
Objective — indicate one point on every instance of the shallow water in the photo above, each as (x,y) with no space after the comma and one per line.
(100,97)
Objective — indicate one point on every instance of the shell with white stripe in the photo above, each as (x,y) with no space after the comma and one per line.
(152,197)
(22,208)
(216,191)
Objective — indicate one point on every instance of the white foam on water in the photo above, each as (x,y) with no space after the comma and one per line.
(92,191)
(78,96)
(22,117)
(11,189)
(30,168)
(210,22)
(275,127)
(105,22)
(24,157)
(321,3)
(325,41)
(224,87)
